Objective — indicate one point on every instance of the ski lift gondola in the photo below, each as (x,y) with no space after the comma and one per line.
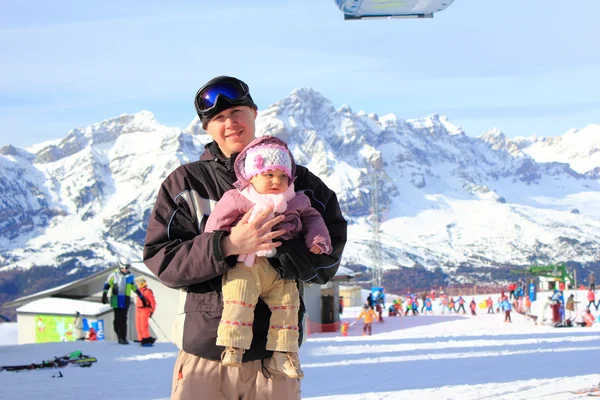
(377,9)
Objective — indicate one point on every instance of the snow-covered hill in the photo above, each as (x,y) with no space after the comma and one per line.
(446,198)
(431,357)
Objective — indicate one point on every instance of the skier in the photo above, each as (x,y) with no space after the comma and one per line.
(473,306)
(451,305)
(408,305)
(506,306)
(557,300)
(428,306)
(370,299)
(379,309)
(415,305)
(143,312)
(527,305)
(570,307)
(368,315)
(423,299)
(591,296)
(588,318)
(121,283)
(93,336)
(444,305)
(461,305)
(490,305)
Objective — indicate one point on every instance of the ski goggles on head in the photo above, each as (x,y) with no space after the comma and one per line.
(219,94)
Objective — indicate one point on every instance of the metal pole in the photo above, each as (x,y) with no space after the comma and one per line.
(158,326)
(376,221)
(576,288)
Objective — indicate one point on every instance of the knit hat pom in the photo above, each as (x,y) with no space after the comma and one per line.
(265,158)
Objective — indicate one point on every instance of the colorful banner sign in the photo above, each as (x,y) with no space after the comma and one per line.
(55,328)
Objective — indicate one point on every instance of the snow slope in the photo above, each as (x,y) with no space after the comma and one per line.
(425,357)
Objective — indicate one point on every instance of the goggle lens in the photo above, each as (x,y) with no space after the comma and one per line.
(230,89)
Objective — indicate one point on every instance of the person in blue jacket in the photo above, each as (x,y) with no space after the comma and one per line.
(506,306)
(121,283)
(428,306)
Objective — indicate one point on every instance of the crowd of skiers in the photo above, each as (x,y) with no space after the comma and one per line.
(515,298)
(512,299)
(565,313)
(414,304)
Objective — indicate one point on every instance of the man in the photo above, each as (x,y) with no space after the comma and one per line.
(592,280)
(143,312)
(182,255)
(121,283)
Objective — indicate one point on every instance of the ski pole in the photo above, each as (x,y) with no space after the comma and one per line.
(158,326)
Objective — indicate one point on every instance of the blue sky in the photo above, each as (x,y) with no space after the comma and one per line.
(525,67)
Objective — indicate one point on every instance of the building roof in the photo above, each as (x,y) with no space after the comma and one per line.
(137,266)
(56,305)
(345,273)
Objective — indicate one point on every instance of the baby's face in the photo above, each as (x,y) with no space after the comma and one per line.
(271,182)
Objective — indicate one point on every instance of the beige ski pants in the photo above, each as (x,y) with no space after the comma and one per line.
(196,378)
(242,287)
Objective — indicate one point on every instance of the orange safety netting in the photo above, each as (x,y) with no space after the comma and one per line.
(314,327)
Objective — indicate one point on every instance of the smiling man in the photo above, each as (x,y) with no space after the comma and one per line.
(182,255)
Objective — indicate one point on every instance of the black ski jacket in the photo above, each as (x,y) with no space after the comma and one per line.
(183,256)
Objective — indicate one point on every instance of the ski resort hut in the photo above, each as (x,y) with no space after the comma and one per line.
(54,309)
(48,315)
(50,319)
(352,295)
(323,302)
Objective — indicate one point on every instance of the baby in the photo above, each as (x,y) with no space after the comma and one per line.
(265,170)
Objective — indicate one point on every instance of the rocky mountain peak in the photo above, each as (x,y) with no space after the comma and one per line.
(445,199)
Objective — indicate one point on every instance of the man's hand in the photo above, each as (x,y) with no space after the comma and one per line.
(104,298)
(250,237)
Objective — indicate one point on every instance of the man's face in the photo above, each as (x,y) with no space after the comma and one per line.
(233,129)
(271,182)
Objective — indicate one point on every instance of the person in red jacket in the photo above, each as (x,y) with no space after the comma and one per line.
(143,313)
(592,299)
(92,336)
(490,305)
(588,318)
(511,290)
(473,306)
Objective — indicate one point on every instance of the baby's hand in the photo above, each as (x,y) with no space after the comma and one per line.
(315,249)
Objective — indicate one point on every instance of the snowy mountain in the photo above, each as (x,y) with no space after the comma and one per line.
(446,199)
(580,148)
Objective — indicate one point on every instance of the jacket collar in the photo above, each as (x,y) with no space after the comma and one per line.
(212,152)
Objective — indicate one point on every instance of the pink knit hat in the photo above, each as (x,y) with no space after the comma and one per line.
(268,157)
